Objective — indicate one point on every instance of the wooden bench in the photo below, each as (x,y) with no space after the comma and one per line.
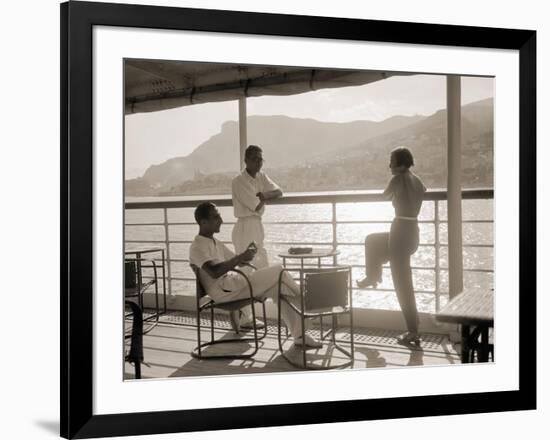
(473,310)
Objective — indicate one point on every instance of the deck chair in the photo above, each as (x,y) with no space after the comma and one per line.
(324,292)
(204,303)
(135,355)
(136,285)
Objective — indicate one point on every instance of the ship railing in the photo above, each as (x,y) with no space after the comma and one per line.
(179,280)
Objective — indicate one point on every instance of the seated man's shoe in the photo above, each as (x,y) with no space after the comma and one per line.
(247,325)
(308,341)
(235,319)
(246,320)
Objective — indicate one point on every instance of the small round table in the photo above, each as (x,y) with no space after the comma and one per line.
(315,253)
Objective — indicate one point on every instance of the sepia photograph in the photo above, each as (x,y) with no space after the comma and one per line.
(281,219)
(277,220)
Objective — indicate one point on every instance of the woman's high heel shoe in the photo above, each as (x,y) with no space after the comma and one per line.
(409,338)
(365,283)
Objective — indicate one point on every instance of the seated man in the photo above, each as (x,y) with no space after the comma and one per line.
(215,260)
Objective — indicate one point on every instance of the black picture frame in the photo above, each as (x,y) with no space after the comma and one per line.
(77,21)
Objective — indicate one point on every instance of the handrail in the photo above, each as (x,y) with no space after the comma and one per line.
(334,197)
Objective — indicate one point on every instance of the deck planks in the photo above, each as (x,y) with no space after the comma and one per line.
(168,347)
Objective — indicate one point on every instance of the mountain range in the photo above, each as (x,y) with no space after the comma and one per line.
(309,155)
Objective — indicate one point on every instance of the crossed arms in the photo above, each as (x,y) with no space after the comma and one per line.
(267,195)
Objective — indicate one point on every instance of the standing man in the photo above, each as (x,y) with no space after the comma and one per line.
(250,190)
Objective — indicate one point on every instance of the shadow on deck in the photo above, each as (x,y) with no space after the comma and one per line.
(168,347)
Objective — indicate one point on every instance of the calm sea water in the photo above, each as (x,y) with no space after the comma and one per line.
(350,236)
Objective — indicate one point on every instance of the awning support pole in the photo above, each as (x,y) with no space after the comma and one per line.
(454,187)
(242,130)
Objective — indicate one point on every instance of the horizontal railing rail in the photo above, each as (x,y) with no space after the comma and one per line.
(333,199)
(296,199)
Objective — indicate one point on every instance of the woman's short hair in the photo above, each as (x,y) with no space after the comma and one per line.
(403,157)
(202,211)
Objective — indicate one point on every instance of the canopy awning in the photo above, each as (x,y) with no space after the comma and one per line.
(161,85)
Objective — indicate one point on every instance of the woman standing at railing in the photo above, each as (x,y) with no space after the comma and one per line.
(406,192)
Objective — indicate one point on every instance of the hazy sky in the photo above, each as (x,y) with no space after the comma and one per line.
(152,138)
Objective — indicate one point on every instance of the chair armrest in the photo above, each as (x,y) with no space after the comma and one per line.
(146,285)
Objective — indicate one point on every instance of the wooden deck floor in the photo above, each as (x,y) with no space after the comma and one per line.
(168,347)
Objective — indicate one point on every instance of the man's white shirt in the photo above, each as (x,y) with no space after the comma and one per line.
(244,188)
(204,249)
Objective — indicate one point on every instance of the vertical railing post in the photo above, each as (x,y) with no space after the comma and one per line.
(334,237)
(437,257)
(242,130)
(454,185)
(167,245)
